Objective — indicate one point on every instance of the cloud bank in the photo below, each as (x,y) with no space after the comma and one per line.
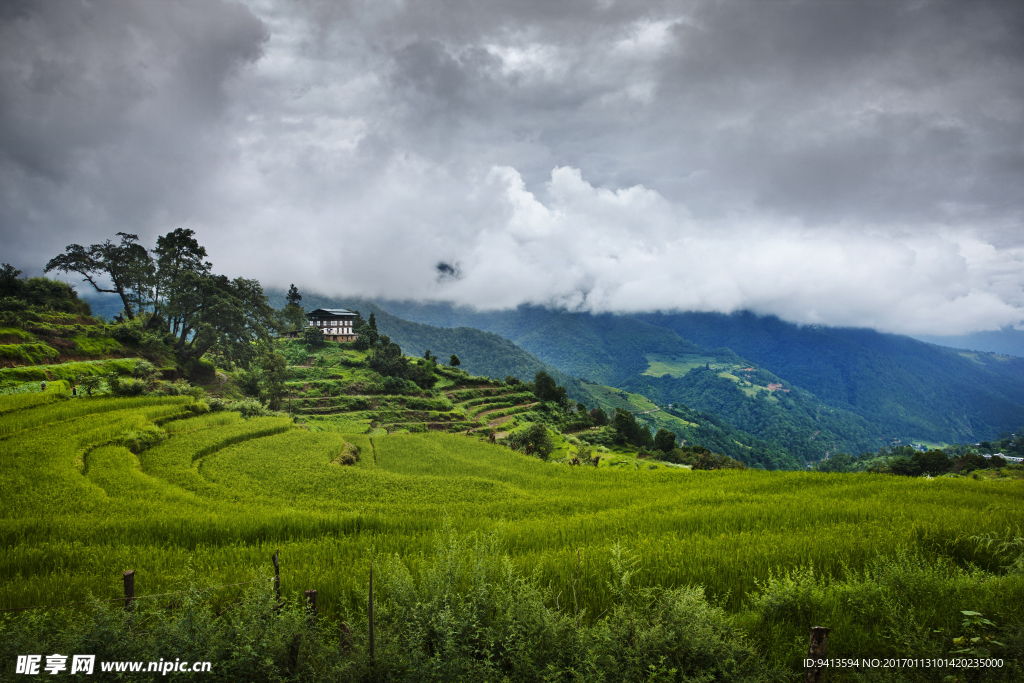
(831,163)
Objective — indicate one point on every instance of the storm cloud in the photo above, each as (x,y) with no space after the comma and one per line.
(843,163)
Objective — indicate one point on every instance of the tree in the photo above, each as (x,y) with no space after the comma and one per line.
(664,440)
(599,417)
(293,297)
(628,430)
(544,386)
(90,383)
(127,265)
(177,253)
(231,315)
(933,462)
(454,361)
(313,336)
(904,466)
(533,440)
(273,374)
(366,332)
(197,310)
(10,285)
(545,389)
(293,316)
(387,359)
(422,374)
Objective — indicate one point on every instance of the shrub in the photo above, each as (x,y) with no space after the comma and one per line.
(140,440)
(312,336)
(28,354)
(101,346)
(250,407)
(200,371)
(534,440)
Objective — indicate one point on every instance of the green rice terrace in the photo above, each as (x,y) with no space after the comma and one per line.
(95,486)
(514,534)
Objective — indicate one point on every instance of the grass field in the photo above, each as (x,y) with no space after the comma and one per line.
(221,494)
(677,366)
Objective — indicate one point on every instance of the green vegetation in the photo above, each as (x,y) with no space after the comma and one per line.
(868,555)
(905,388)
(172,301)
(521,529)
(952,461)
(860,390)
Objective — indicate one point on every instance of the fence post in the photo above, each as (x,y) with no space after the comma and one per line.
(816,650)
(311,609)
(277,580)
(129,589)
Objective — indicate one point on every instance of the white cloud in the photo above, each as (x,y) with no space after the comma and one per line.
(603,156)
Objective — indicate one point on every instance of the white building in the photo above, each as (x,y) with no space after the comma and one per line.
(335,323)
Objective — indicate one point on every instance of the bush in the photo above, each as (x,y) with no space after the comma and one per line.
(295,354)
(126,386)
(253,641)
(200,371)
(534,440)
(312,336)
(138,441)
(471,617)
(28,354)
(250,407)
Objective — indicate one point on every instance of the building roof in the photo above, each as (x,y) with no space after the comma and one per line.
(330,311)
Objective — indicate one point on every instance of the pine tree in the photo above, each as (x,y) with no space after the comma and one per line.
(293,297)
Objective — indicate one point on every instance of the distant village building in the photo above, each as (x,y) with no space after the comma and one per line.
(335,323)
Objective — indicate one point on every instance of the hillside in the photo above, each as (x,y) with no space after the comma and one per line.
(907,388)
(488,354)
(43,321)
(877,387)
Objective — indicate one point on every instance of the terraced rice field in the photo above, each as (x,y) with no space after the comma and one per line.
(216,495)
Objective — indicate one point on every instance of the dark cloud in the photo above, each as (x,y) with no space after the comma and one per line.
(830,162)
(110,111)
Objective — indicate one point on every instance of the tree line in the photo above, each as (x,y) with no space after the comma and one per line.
(172,291)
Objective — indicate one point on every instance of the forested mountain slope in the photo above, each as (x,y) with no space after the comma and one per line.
(905,386)
(602,348)
(900,387)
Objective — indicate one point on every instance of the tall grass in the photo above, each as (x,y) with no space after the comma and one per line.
(223,494)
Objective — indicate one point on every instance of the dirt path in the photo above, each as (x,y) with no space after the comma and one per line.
(501,420)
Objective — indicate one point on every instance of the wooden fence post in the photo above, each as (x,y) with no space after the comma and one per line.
(311,608)
(816,650)
(129,589)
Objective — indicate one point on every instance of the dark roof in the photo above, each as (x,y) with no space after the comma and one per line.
(330,311)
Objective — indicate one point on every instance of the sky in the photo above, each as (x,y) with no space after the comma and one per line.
(832,162)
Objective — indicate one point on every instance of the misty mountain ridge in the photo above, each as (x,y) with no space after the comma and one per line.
(903,388)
